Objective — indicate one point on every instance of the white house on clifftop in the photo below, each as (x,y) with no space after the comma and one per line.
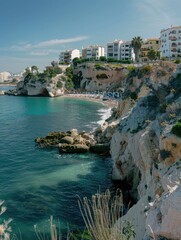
(113,49)
(68,55)
(170,42)
(94,51)
(120,50)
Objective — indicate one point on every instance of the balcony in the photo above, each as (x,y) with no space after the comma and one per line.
(173,32)
(173,50)
(172,38)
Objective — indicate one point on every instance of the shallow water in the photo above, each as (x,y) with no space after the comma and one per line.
(36,183)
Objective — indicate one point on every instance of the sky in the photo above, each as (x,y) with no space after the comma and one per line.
(34,32)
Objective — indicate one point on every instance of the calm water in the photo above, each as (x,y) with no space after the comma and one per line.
(36,183)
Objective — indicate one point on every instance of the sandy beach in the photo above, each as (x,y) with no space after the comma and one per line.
(94,98)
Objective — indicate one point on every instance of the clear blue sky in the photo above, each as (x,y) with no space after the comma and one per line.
(33,32)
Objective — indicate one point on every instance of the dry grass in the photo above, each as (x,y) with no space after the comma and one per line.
(54,233)
(100,215)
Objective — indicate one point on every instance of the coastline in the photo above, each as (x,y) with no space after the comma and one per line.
(7,84)
(93,98)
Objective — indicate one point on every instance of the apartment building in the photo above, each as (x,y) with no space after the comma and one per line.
(113,49)
(120,50)
(94,51)
(126,51)
(68,55)
(148,44)
(170,42)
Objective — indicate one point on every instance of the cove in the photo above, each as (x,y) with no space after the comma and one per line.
(37,183)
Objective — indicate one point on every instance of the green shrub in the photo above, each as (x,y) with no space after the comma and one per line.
(124,61)
(59,84)
(177,61)
(146,69)
(99,67)
(133,95)
(176,129)
(131,68)
(102,59)
(163,107)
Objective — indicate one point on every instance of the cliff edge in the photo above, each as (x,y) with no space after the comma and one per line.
(145,137)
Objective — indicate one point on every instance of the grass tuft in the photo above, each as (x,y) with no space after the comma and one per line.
(100,215)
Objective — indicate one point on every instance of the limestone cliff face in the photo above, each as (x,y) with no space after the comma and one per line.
(100,77)
(38,87)
(146,153)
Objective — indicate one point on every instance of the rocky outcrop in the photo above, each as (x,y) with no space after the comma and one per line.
(53,139)
(73,148)
(73,142)
(145,151)
(101,76)
(1,93)
(38,87)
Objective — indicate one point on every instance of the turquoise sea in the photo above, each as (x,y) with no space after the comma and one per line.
(37,183)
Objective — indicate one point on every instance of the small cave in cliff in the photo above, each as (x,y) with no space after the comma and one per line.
(129,188)
(44,93)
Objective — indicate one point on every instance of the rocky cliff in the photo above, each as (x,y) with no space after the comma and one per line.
(38,88)
(145,137)
(99,76)
(49,83)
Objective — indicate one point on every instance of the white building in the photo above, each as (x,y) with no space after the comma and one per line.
(68,55)
(5,76)
(126,51)
(120,50)
(170,42)
(93,52)
(113,49)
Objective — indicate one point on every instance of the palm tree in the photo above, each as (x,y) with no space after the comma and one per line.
(136,45)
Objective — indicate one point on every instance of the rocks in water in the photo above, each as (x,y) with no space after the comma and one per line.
(67,142)
(67,139)
(73,132)
(51,140)
(73,142)
(73,148)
